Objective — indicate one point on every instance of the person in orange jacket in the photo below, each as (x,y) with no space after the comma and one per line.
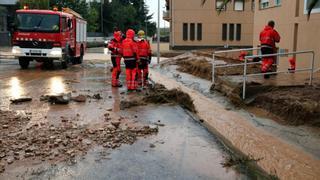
(145,59)
(115,46)
(268,39)
(131,58)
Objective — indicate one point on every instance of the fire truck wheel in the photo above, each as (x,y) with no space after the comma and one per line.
(24,63)
(66,59)
(78,60)
(48,64)
(64,64)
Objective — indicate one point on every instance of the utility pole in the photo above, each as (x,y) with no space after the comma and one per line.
(146,23)
(101,12)
(158,34)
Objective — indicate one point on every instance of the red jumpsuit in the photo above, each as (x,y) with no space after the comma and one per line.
(145,58)
(268,39)
(115,47)
(131,57)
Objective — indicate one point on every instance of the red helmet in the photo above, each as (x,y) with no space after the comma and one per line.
(117,35)
(130,33)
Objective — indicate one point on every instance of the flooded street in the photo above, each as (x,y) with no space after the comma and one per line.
(182,148)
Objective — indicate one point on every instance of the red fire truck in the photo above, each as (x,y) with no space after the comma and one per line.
(48,35)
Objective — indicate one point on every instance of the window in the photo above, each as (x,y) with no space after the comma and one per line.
(316,9)
(264,4)
(238,32)
(185,31)
(64,24)
(28,22)
(238,5)
(231,32)
(224,32)
(277,2)
(218,5)
(199,31)
(192,31)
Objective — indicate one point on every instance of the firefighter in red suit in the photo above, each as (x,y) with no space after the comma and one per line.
(268,39)
(115,46)
(145,59)
(131,58)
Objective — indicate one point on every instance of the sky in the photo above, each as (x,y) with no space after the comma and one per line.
(153,8)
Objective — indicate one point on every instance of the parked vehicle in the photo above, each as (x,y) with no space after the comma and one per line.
(48,35)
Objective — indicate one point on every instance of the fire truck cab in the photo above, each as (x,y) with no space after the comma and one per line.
(48,35)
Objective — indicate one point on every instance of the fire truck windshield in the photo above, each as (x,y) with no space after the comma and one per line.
(38,22)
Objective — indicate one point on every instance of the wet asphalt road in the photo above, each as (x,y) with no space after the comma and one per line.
(183,148)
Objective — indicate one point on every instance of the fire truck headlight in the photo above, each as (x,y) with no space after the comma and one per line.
(16,50)
(56,52)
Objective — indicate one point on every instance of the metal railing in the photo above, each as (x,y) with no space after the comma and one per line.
(246,63)
(245,75)
(229,65)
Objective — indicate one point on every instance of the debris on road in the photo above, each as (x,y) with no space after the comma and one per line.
(63,98)
(160,95)
(233,160)
(79,98)
(159,124)
(95,96)
(62,142)
(125,104)
(71,81)
(20,100)
(152,146)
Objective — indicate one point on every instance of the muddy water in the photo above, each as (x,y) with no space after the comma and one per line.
(182,149)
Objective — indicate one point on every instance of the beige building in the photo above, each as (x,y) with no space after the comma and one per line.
(195,26)
(291,22)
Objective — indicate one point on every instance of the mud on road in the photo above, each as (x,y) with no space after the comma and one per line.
(160,95)
(296,105)
(68,112)
(199,65)
(43,132)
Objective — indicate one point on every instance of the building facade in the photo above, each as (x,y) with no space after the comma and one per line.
(239,24)
(7,9)
(297,33)
(195,26)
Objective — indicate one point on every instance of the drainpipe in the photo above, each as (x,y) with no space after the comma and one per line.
(172,20)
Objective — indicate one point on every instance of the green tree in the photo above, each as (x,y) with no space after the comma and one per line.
(79,6)
(35,4)
(126,14)
(92,20)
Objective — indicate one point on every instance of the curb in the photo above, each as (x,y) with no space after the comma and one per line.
(278,156)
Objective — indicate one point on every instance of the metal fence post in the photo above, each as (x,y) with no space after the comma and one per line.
(213,68)
(312,69)
(244,78)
